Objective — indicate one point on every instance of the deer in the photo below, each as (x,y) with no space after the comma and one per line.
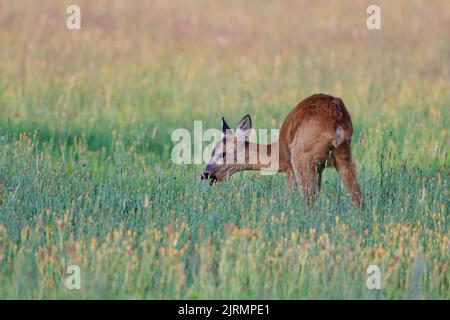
(316,134)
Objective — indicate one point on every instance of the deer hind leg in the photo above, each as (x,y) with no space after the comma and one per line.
(308,172)
(346,169)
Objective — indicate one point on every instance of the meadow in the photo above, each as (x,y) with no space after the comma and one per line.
(85,141)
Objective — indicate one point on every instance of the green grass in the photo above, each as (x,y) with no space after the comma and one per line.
(86,176)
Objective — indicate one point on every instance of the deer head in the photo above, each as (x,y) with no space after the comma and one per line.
(229,154)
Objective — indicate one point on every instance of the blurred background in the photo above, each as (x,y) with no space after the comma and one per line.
(143,68)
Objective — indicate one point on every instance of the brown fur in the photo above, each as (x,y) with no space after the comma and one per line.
(308,143)
(314,135)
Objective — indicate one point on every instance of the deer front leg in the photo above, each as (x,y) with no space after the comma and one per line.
(290,180)
(346,169)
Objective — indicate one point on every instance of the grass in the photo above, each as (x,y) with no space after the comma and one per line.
(85,171)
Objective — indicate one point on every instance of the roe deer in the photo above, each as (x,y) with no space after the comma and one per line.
(314,135)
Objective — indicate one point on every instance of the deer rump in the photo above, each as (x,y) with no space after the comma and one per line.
(317,125)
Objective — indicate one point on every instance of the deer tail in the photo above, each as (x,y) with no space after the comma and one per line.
(343,123)
(339,137)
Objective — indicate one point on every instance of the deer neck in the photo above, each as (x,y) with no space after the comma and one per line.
(263,157)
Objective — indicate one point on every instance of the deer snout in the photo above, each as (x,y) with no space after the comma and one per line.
(206,175)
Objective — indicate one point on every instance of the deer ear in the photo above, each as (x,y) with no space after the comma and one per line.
(225,126)
(243,128)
